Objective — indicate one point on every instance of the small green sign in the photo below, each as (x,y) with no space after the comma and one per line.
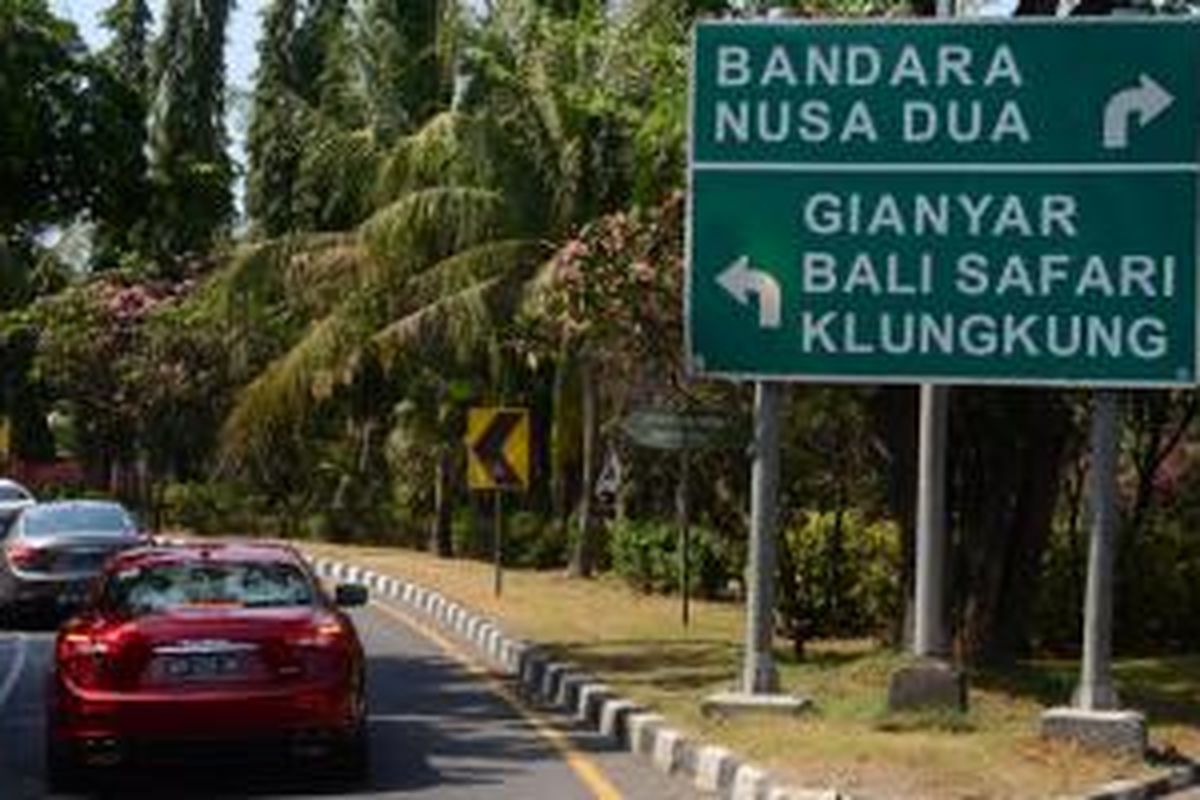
(662,429)
(1009,202)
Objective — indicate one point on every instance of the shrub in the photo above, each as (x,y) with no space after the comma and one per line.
(1157,608)
(531,540)
(470,534)
(646,554)
(846,580)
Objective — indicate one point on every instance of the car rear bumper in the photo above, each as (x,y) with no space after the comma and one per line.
(311,745)
(293,714)
(44,595)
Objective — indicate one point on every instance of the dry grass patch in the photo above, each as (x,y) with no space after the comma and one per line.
(636,643)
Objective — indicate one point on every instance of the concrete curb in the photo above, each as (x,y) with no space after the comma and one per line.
(562,687)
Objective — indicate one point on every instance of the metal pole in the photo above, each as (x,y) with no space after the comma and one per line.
(929,639)
(685,535)
(498,542)
(759,675)
(929,636)
(1096,691)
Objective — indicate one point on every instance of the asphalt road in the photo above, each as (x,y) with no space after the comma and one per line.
(439,729)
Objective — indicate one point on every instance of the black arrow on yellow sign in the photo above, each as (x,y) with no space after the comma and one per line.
(498,448)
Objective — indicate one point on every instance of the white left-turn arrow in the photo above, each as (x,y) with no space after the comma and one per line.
(740,280)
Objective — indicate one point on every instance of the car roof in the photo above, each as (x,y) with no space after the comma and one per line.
(245,551)
(64,505)
(8,483)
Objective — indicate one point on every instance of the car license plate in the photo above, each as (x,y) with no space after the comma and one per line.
(80,561)
(72,596)
(203,666)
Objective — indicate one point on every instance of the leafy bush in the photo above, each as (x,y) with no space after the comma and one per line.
(470,534)
(646,554)
(531,540)
(67,491)
(1157,608)
(846,573)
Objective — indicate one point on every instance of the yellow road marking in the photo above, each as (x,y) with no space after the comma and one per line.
(584,768)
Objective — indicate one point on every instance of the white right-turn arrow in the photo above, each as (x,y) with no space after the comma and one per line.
(1146,101)
(740,280)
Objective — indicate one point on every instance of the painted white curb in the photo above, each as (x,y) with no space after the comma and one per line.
(714,768)
(668,749)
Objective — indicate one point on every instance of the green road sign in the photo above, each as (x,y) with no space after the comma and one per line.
(663,429)
(957,202)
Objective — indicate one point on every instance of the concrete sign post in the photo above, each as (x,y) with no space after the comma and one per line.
(1096,692)
(1094,719)
(930,638)
(759,675)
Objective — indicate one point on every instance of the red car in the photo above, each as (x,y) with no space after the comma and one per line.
(230,648)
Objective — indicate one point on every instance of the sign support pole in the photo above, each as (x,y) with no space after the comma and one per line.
(1094,717)
(498,542)
(929,638)
(685,535)
(934,682)
(1095,691)
(759,674)
(759,690)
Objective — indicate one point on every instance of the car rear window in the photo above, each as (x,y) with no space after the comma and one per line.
(10,493)
(50,520)
(153,588)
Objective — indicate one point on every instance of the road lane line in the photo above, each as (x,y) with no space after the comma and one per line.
(588,772)
(14,672)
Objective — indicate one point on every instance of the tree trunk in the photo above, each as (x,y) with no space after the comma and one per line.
(560,438)
(834,556)
(583,556)
(440,539)
(894,413)
(1007,477)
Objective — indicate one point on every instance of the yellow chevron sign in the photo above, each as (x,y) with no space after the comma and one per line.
(498,449)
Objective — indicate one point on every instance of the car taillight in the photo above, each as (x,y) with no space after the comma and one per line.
(321,647)
(83,658)
(326,631)
(20,554)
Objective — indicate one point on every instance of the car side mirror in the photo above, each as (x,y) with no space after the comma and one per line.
(348,595)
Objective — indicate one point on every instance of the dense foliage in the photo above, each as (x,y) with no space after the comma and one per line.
(448,209)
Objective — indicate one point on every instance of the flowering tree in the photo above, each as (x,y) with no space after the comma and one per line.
(607,308)
(612,296)
(138,374)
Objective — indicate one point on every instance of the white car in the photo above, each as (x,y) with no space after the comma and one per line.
(13,498)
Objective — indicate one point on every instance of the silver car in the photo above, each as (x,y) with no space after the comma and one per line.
(53,551)
(13,499)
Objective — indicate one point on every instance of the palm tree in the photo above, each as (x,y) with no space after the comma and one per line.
(190,164)
(444,223)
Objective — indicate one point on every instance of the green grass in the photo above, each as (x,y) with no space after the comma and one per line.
(849,741)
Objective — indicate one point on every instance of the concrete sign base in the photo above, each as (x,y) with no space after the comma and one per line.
(729,704)
(927,684)
(1111,731)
